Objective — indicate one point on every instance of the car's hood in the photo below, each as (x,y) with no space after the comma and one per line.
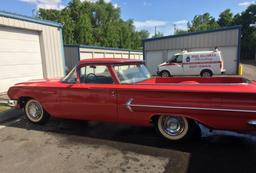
(39,82)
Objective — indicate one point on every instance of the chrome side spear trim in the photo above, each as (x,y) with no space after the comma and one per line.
(129,106)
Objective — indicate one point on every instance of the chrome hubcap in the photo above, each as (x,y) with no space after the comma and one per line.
(34,111)
(165,74)
(206,74)
(173,125)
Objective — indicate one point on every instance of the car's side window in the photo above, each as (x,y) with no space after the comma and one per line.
(96,74)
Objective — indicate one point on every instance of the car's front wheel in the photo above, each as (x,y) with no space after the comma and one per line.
(35,112)
(165,74)
(176,128)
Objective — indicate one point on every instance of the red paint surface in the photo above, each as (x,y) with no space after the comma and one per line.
(106,102)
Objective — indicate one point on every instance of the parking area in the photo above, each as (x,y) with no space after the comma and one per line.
(78,146)
(249,69)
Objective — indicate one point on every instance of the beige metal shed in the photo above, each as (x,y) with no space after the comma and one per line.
(75,53)
(30,49)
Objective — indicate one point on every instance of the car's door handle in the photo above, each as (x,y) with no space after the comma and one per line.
(113,93)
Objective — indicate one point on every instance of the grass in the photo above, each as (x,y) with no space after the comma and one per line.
(4,107)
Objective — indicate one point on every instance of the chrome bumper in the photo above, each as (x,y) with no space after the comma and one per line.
(12,103)
(252,122)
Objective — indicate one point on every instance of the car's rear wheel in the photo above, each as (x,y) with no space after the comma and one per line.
(176,128)
(35,112)
(165,74)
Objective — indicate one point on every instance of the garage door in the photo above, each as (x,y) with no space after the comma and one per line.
(153,59)
(20,57)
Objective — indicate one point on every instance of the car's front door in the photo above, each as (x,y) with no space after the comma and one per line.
(92,97)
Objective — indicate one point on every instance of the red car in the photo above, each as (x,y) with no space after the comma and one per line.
(122,91)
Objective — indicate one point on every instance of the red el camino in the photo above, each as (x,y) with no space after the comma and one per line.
(122,91)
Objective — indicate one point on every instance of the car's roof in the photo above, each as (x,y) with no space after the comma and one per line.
(110,61)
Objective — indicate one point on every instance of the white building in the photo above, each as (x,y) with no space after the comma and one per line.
(30,49)
(159,50)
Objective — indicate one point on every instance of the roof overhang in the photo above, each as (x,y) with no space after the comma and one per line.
(30,19)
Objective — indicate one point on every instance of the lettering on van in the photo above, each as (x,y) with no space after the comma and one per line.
(199,66)
(204,55)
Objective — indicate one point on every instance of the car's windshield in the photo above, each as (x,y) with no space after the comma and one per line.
(129,74)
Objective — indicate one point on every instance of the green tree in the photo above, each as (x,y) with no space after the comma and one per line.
(245,19)
(180,31)
(143,34)
(68,28)
(83,30)
(158,34)
(96,23)
(203,22)
(225,18)
(49,14)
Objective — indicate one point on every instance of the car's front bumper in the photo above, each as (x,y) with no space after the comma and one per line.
(252,123)
(12,103)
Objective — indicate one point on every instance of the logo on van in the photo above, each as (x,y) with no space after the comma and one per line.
(188,59)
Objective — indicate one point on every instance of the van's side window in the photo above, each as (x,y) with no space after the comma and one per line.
(179,58)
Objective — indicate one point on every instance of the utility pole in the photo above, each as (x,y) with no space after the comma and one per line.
(155,31)
(34,13)
(174,28)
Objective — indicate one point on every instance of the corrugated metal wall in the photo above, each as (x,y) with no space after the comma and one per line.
(71,56)
(50,44)
(86,53)
(74,53)
(225,38)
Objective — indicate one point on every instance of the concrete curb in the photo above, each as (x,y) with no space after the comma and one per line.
(10,115)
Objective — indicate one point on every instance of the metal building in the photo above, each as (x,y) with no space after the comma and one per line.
(75,53)
(159,50)
(30,49)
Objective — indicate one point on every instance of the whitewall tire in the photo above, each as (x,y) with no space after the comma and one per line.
(175,128)
(35,113)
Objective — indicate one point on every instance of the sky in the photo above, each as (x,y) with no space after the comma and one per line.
(147,14)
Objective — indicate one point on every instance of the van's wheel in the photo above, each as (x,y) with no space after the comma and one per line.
(165,74)
(206,73)
(35,113)
(176,128)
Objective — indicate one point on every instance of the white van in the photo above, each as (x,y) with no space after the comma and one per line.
(203,63)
